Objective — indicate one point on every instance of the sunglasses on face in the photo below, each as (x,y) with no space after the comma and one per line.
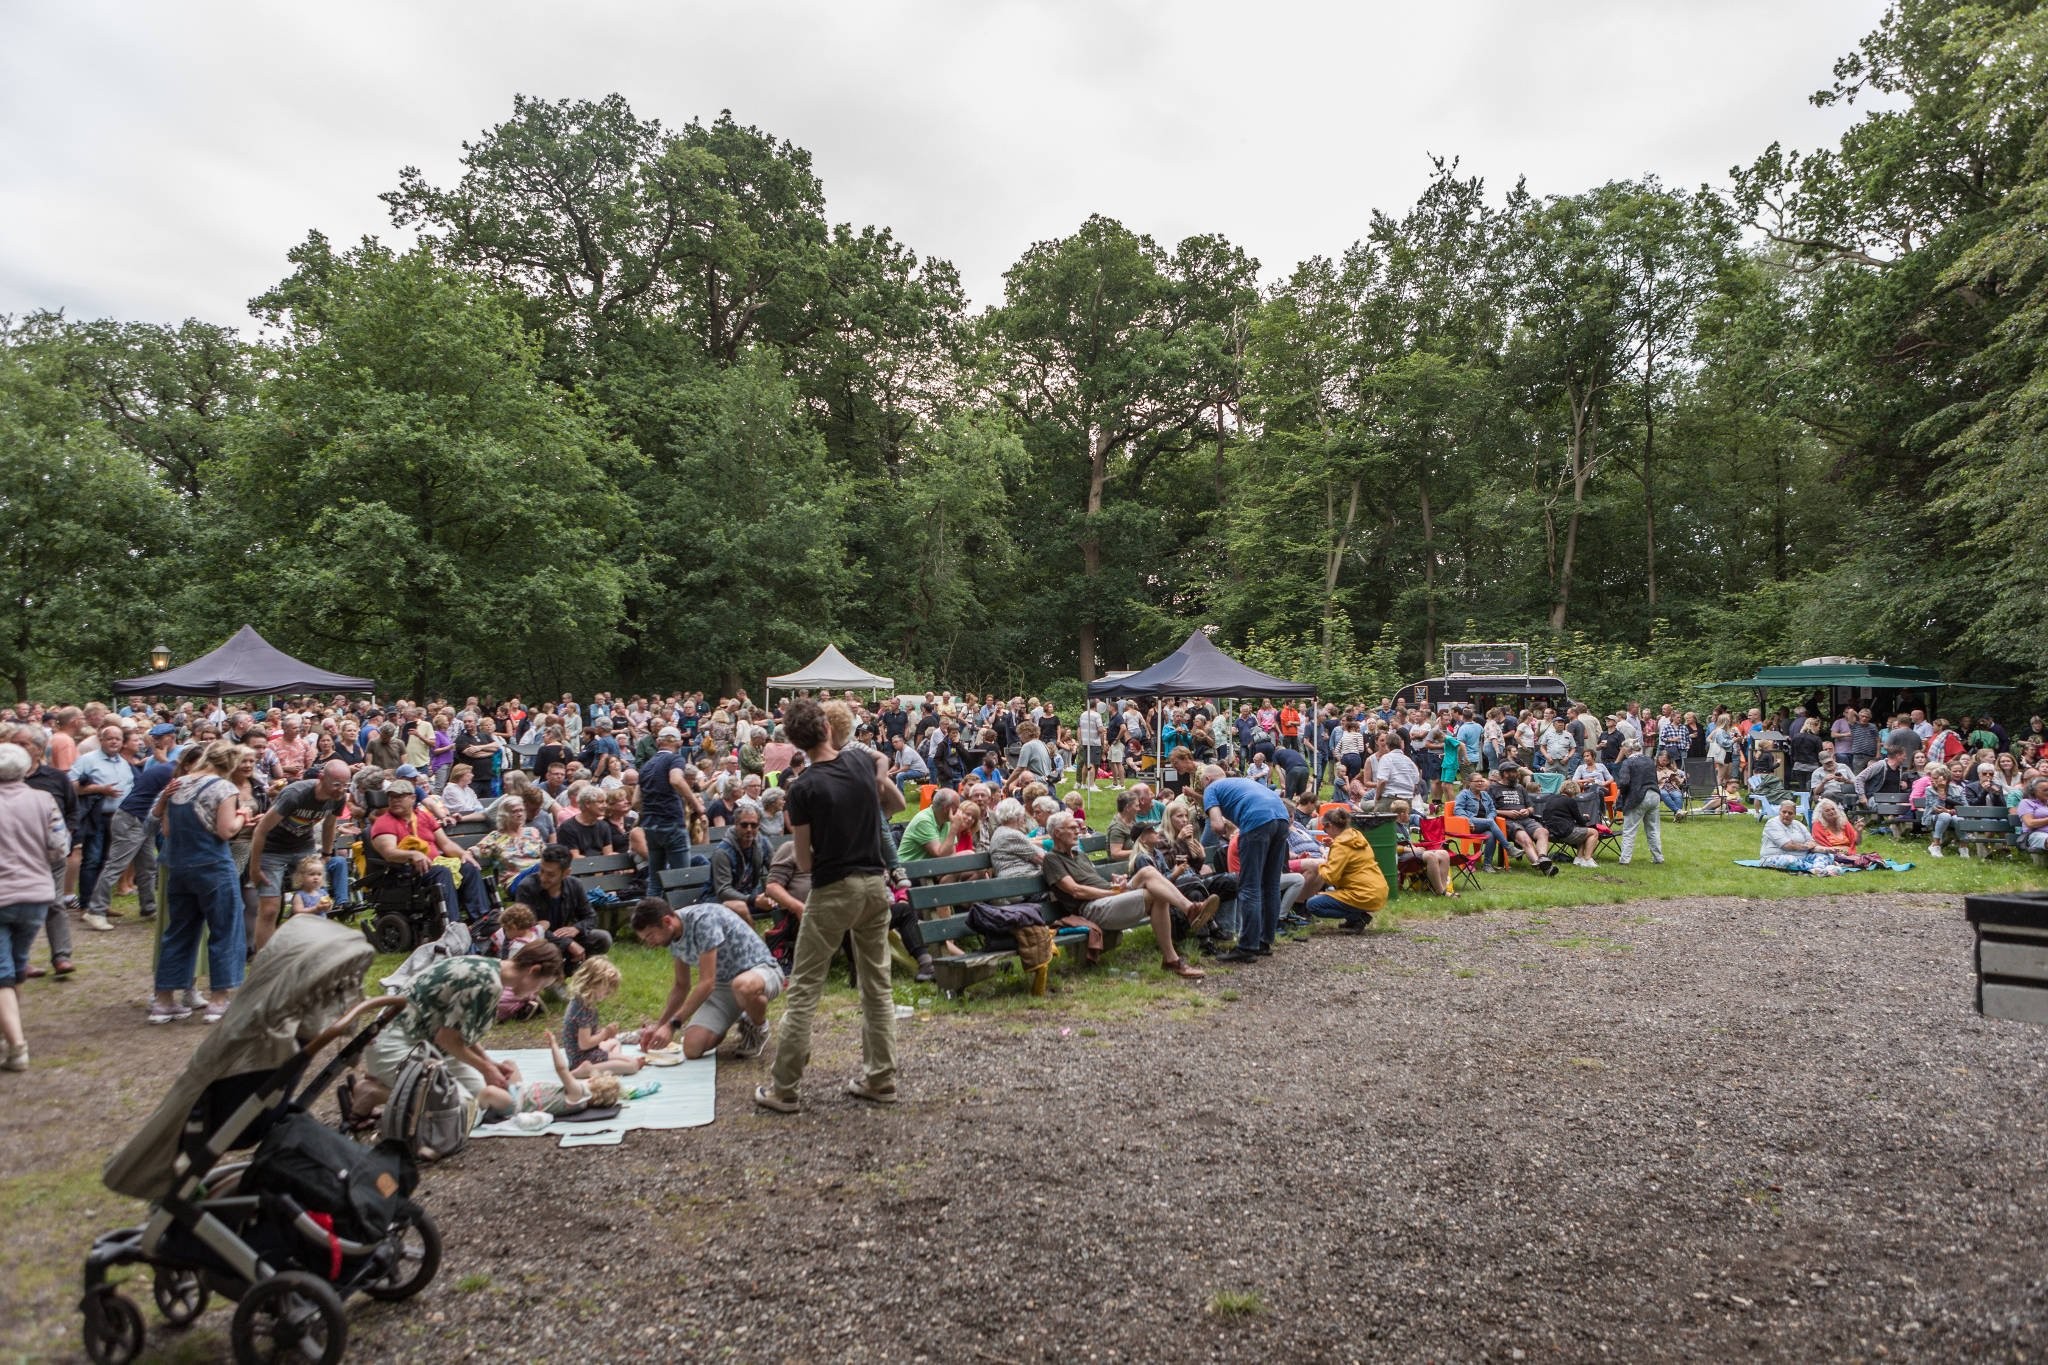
(748,824)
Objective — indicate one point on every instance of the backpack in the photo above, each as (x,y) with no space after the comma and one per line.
(427,1114)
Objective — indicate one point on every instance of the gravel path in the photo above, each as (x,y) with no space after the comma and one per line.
(1681,1129)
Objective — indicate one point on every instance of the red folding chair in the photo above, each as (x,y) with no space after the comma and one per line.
(1454,834)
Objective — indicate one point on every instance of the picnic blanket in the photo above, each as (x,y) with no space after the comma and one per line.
(1889,865)
(687,1099)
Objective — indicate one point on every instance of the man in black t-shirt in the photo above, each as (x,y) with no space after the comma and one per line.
(559,901)
(836,812)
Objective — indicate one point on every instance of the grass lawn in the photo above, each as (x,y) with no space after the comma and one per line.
(1700,853)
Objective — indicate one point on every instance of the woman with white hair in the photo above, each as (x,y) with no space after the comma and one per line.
(1011,849)
(1788,845)
(33,846)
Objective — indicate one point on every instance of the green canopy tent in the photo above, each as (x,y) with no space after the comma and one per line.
(1852,681)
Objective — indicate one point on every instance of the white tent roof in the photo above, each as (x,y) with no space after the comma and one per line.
(833,669)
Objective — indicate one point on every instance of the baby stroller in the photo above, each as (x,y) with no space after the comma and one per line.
(311,1217)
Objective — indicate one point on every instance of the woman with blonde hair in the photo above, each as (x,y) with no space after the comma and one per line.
(1834,833)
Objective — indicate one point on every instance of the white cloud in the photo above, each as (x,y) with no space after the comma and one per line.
(160,159)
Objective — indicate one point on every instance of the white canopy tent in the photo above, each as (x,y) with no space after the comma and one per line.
(831,669)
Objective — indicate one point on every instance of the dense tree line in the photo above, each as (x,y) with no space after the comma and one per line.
(632,412)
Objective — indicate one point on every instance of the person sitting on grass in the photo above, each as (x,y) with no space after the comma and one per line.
(1564,823)
(1079,888)
(1835,834)
(593,1046)
(1353,887)
(736,977)
(1788,845)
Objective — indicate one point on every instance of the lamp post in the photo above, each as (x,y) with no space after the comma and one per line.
(160,658)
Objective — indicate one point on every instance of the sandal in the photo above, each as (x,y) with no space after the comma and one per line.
(1181,968)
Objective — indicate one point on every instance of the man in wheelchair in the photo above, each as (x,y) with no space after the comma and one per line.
(406,837)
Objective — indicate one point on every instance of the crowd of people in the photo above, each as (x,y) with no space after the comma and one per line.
(224,817)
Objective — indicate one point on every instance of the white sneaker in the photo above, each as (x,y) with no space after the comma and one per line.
(1584,862)
(1962,850)
(1934,851)
(15,1058)
(99,922)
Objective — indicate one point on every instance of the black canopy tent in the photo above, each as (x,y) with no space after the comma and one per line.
(247,665)
(1199,669)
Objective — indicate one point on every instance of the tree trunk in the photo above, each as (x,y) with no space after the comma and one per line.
(1333,560)
(1091,546)
(1428,577)
(1230,569)
(1649,479)
(1581,465)
(1777,516)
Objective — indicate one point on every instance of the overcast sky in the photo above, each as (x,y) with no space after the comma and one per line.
(158,159)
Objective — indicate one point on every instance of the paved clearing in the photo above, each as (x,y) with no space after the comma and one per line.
(1688,1129)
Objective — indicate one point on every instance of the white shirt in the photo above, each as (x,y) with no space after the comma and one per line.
(1396,775)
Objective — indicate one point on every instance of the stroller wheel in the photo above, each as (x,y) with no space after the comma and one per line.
(391,933)
(418,1245)
(180,1295)
(113,1328)
(292,1316)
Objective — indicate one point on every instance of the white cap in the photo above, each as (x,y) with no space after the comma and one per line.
(668,732)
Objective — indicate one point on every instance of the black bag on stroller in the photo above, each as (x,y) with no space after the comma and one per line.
(364,1190)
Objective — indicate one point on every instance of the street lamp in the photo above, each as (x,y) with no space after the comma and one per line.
(160,658)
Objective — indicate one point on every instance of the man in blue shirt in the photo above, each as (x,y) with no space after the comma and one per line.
(1470,736)
(128,836)
(103,778)
(1260,817)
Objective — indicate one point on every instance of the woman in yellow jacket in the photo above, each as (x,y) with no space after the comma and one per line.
(1353,886)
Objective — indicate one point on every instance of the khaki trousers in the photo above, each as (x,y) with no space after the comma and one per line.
(856,906)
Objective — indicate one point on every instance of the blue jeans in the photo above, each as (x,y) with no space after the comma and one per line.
(20,923)
(1261,857)
(668,847)
(1325,906)
(465,901)
(195,899)
(1937,825)
(338,879)
(1672,799)
(93,827)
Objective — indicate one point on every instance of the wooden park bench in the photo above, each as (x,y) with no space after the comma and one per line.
(614,873)
(1988,829)
(468,833)
(1893,811)
(683,885)
(954,975)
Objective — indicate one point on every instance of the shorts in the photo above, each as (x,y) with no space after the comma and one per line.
(276,869)
(1577,838)
(389,1051)
(721,1009)
(1125,910)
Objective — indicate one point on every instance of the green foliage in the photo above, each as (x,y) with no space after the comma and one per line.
(409,495)
(85,528)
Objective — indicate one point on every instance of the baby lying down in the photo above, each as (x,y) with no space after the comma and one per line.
(563,1097)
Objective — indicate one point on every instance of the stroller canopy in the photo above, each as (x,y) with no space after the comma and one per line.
(309,973)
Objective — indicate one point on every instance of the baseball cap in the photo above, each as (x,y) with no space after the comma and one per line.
(405,770)
(669,732)
(159,731)
(398,787)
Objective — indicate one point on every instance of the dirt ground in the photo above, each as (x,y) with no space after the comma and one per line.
(1681,1129)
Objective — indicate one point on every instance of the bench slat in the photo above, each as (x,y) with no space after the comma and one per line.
(966,893)
(925,869)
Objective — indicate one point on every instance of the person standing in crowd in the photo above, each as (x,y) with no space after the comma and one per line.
(306,809)
(666,803)
(33,846)
(56,783)
(836,812)
(202,888)
(102,778)
(1640,801)
(1260,818)
(130,840)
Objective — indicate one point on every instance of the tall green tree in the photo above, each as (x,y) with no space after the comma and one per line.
(85,528)
(412,500)
(1114,351)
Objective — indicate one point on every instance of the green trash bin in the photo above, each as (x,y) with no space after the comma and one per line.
(1379,833)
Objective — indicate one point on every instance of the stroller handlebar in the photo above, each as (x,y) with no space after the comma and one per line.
(392,1004)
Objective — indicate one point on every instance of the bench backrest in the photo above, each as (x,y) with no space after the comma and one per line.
(927,869)
(949,894)
(1983,820)
(613,872)
(683,885)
